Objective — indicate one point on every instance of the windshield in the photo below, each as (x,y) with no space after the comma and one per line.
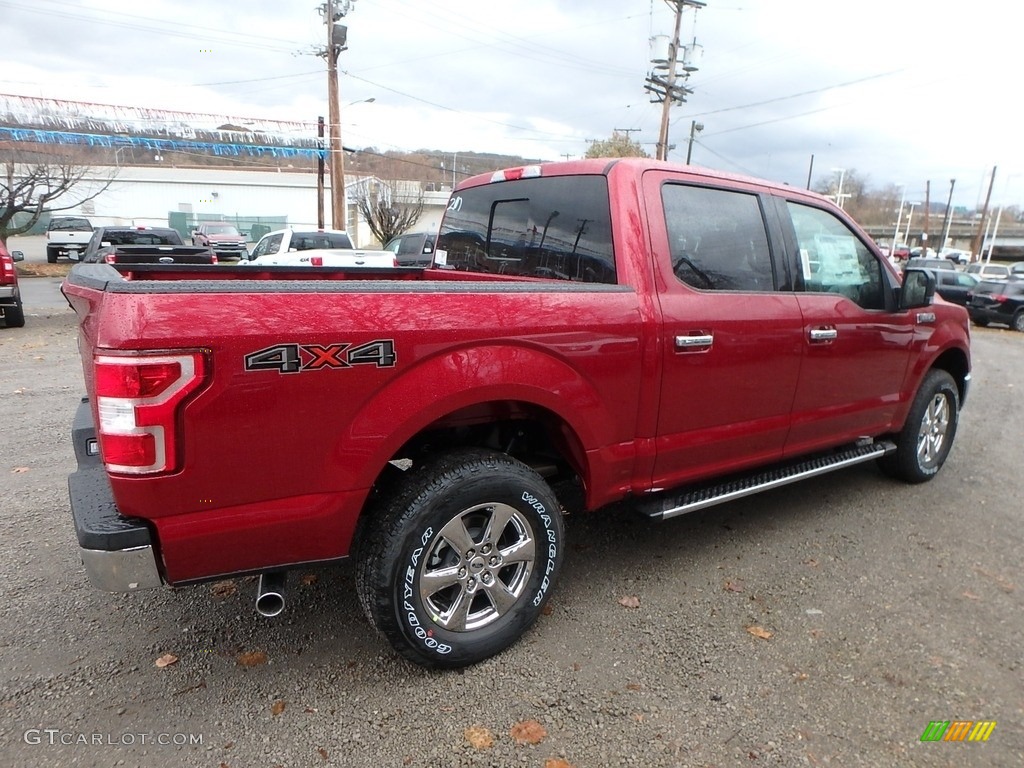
(221,229)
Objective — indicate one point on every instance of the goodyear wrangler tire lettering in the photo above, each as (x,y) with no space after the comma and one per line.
(458,560)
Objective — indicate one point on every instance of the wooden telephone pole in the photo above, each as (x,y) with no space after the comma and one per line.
(669,88)
(333,11)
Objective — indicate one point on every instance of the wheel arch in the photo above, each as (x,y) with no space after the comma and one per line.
(478,396)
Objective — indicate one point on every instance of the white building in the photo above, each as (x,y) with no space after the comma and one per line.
(149,195)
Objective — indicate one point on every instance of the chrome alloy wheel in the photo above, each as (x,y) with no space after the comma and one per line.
(477,567)
(932,435)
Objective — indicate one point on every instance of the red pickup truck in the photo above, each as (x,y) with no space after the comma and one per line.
(666,334)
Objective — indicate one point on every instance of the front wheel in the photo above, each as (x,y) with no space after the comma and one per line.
(927,436)
(458,560)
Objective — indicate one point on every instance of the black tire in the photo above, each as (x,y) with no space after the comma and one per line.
(982,323)
(928,434)
(51,254)
(1018,321)
(436,523)
(14,317)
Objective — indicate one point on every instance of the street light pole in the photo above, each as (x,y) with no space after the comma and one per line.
(899,219)
(695,127)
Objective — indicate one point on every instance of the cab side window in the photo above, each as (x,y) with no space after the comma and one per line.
(833,259)
(717,239)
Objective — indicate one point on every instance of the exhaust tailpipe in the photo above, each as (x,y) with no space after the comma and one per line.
(270,593)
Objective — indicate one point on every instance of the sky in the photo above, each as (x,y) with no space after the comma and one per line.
(900,92)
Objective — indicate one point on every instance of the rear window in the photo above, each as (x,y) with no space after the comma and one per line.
(307,241)
(142,237)
(70,225)
(557,228)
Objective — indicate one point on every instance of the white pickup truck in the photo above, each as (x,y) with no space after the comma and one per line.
(67,236)
(314,248)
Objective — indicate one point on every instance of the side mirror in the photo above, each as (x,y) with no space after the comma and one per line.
(918,288)
(18,255)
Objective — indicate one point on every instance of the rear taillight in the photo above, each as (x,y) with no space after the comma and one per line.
(213,259)
(137,399)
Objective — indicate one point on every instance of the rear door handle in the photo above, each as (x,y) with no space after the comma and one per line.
(823,334)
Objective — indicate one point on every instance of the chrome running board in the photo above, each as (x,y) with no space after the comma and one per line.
(691,499)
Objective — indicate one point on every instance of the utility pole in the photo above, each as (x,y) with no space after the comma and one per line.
(695,128)
(320,173)
(976,243)
(333,11)
(664,88)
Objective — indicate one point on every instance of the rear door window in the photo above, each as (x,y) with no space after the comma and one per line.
(557,228)
(717,239)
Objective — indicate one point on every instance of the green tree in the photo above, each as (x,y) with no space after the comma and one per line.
(619,145)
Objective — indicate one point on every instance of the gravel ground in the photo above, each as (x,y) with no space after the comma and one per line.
(883,607)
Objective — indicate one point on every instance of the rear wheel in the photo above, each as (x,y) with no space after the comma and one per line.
(1018,321)
(927,436)
(458,560)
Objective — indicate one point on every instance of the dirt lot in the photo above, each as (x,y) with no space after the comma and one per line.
(822,624)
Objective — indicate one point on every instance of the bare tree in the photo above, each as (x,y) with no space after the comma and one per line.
(386,214)
(35,180)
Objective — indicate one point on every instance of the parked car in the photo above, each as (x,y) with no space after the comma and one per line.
(933,263)
(956,256)
(998,301)
(413,249)
(144,245)
(224,239)
(1017,268)
(989,271)
(922,253)
(67,236)
(954,286)
(284,240)
(10,294)
(901,252)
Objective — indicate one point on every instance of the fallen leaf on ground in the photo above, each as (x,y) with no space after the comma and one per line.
(224,589)
(634,687)
(19,470)
(277,708)
(528,732)
(630,601)
(547,609)
(308,579)
(733,586)
(323,753)
(556,762)
(252,658)
(970,595)
(166,660)
(479,738)
(811,562)
(757,631)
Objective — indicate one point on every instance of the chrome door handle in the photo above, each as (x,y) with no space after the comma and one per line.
(824,334)
(695,342)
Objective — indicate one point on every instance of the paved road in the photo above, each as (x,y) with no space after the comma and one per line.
(888,606)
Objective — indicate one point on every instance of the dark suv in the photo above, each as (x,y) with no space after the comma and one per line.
(998,301)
